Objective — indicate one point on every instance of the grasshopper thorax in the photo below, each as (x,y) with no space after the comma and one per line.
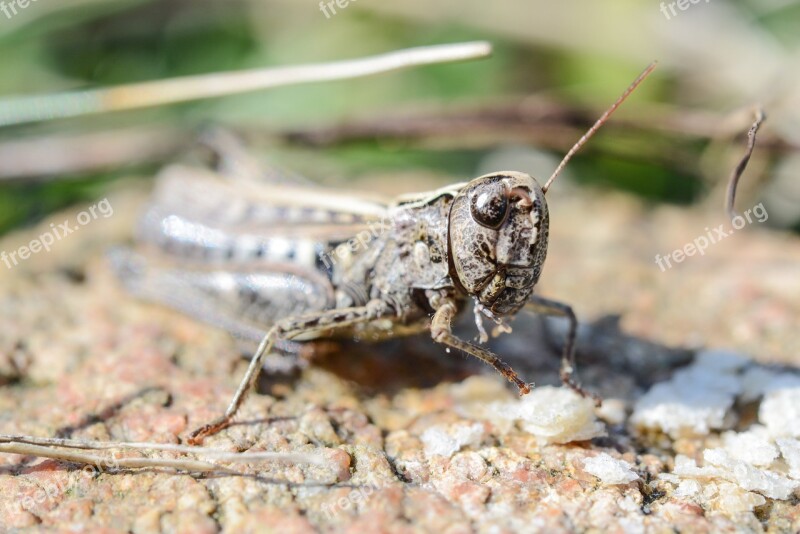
(498,239)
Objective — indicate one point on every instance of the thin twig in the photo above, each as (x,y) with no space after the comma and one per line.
(19,110)
(733,182)
(183,464)
(55,156)
(662,136)
(53,448)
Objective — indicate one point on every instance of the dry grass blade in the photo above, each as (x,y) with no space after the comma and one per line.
(20,110)
(182,464)
(70,450)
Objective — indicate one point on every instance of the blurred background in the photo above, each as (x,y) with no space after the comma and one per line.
(556,66)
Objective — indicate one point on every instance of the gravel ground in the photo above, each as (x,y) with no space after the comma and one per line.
(412,437)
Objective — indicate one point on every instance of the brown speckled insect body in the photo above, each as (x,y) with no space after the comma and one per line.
(293,262)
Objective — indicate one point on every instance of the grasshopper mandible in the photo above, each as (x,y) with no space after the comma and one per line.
(283,262)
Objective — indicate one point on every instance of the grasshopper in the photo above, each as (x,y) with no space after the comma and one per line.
(283,261)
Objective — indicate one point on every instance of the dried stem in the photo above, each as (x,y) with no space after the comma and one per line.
(67,450)
(530,120)
(91,459)
(19,110)
(733,182)
(54,156)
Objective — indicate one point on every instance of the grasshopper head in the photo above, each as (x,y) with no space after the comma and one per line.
(498,239)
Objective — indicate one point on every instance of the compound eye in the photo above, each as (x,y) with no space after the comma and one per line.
(489,205)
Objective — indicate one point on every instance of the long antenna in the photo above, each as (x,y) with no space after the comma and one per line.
(596,126)
(24,109)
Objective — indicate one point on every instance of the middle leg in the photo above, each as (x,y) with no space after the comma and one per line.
(287,329)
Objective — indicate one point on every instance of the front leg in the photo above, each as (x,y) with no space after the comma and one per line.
(284,330)
(554,308)
(442,333)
